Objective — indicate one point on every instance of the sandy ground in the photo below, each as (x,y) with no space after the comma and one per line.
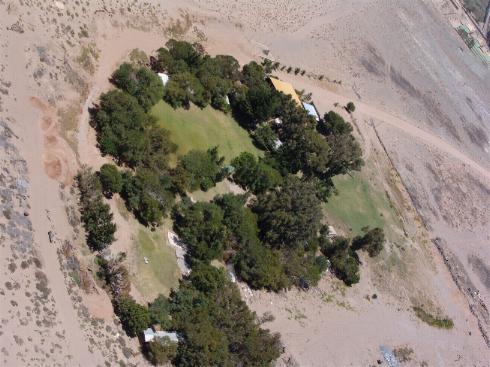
(422,113)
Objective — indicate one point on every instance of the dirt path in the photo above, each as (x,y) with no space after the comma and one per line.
(325,98)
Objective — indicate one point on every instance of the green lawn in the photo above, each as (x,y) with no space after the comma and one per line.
(203,128)
(161,273)
(359,203)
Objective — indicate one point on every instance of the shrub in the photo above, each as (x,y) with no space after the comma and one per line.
(134,317)
(159,311)
(110,179)
(350,107)
(372,241)
(161,351)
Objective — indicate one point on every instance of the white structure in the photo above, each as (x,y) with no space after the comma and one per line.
(164,78)
(311,109)
(277,144)
(150,335)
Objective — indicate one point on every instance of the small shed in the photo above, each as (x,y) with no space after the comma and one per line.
(311,109)
(164,77)
(150,334)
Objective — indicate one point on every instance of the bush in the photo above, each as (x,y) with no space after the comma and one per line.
(110,179)
(344,260)
(350,107)
(161,351)
(372,241)
(134,317)
(159,311)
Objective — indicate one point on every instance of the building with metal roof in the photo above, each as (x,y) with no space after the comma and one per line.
(285,88)
(311,109)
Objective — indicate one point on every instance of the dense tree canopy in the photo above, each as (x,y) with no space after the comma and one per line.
(148,195)
(216,325)
(201,227)
(254,175)
(290,214)
(141,83)
(199,170)
(344,260)
(110,179)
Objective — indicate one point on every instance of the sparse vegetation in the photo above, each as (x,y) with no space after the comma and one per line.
(442,323)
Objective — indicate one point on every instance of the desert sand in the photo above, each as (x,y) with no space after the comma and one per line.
(422,116)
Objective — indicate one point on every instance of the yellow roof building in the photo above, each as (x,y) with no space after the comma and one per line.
(286,88)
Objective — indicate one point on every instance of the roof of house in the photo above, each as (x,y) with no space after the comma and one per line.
(150,335)
(310,108)
(164,78)
(286,88)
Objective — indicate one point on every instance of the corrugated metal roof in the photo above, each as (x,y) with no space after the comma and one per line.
(285,88)
(311,110)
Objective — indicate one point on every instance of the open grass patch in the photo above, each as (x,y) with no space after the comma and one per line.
(442,323)
(202,129)
(161,274)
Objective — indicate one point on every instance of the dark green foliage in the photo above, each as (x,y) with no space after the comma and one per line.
(304,269)
(265,138)
(257,176)
(141,83)
(199,170)
(344,260)
(183,88)
(372,241)
(217,327)
(181,50)
(261,267)
(110,179)
(239,219)
(350,107)
(255,101)
(127,133)
(201,228)
(159,311)
(121,122)
(134,317)
(97,221)
(346,153)
(160,351)
(147,194)
(96,215)
(289,215)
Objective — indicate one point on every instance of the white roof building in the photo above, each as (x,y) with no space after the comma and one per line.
(164,78)
(149,335)
(311,109)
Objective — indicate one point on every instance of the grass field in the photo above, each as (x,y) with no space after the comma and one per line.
(359,204)
(202,129)
(161,273)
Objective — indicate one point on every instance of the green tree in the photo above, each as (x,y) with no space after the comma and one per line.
(121,122)
(161,351)
(199,170)
(372,241)
(265,138)
(134,317)
(148,195)
(290,214)
(239,219)
(183,88)
(159,311)
(261,268)
(255,175)
(110,179)
(344,260)
(201,228)
(97,221)
(141,83)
